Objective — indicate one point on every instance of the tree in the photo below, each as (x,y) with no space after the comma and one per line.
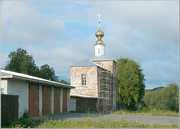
(130,84)
(167,98)
(48,72)
(63,81)
(22,62)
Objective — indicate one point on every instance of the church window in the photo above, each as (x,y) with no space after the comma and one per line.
(83,79)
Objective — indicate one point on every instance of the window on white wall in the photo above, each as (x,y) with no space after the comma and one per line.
(83,79)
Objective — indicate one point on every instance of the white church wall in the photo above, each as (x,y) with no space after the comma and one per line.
(99,50)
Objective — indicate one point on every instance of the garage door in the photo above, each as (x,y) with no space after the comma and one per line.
(33,99)
(46,100)
(57,100)
(64,100)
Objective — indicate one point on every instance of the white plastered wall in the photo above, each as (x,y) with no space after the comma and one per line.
(40,100)
(61,100)
(3,86)
(20,88)
(99,50)
(52,100)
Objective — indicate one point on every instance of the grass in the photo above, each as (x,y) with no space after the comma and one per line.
(89,123)
(152,112)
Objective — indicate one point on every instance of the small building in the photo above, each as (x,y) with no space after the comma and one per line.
(95,84)
(36,96)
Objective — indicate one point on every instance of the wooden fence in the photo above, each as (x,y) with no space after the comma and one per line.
(9,109)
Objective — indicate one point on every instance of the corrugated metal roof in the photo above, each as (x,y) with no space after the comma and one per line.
(4,74)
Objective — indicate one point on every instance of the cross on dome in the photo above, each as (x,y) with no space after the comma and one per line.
(99,20)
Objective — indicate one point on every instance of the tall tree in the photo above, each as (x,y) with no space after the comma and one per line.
(20,61)
(130,83)
(48,72)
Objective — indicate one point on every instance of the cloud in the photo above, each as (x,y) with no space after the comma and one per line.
(146,31)
(3,60)
(57,24)
(61,33)
(24,24)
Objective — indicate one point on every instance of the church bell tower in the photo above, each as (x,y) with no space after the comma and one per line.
(99,46)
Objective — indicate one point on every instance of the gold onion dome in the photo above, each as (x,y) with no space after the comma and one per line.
(99,35)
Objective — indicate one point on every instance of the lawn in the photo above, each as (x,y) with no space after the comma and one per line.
(99,121)
(152,112)
(89,123)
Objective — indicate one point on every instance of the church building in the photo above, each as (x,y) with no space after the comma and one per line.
(95,85)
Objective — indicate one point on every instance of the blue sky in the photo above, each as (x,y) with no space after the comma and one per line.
(61,33)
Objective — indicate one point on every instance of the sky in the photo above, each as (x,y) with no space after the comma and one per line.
(61,33)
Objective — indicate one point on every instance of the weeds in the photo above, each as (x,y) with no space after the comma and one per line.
(24,122)
(89,123)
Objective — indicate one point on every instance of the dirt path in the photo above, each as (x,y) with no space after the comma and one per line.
(133,118)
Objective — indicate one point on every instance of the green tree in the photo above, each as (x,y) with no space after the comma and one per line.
(20,61)
(130,84)
(48,72)
(63,81)
(167,98)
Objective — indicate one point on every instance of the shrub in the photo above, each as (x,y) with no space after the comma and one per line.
(24,122)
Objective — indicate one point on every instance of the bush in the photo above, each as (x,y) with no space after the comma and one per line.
(24,122)
(163,98)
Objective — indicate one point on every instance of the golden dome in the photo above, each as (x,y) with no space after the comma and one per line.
(99,33)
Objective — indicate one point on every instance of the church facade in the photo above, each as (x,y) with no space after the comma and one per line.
(95,84)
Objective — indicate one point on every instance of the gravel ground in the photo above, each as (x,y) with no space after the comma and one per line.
(133,118)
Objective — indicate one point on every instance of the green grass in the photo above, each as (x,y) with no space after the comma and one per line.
(152,112)
(89,123)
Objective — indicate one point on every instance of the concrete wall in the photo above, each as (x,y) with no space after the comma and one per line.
(90,89)
(3,86)
(40,100)
(20,88)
